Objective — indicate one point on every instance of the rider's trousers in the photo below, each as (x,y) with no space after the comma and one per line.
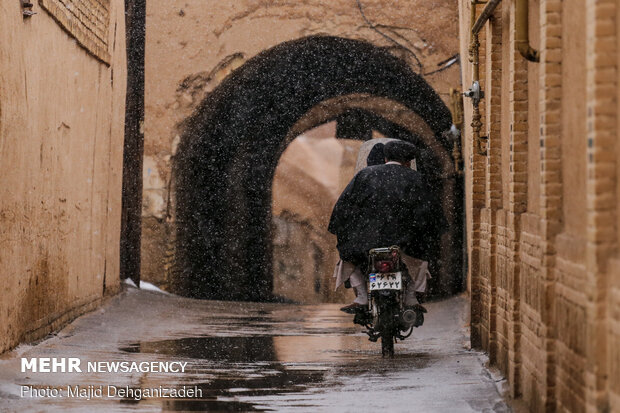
(418,270)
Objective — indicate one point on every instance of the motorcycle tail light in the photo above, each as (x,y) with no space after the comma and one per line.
(384,266)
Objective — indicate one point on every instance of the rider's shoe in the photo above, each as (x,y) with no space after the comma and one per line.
(353,308)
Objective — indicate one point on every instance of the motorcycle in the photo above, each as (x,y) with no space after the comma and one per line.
(386,317)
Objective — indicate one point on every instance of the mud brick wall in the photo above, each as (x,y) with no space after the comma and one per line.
(543,247)
(62,116)
(613,336)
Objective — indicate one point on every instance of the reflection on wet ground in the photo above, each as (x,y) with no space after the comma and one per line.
(246,367)
(226,349)
(263,357)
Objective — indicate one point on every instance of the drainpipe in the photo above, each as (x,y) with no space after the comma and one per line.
(522,32)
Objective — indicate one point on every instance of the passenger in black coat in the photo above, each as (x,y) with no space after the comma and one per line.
(383,205)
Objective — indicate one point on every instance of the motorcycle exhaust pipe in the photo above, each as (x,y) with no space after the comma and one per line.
(410,318)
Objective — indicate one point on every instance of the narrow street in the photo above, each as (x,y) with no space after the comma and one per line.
(259,357)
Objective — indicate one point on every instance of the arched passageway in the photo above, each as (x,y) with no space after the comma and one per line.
(231,147)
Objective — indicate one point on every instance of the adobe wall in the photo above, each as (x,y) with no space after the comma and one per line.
(191,48)
(542,204)
(62,112)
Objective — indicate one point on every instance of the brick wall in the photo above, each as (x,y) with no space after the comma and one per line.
(613,336)
(602,199)
(549,95)
(542,205)
(475,173)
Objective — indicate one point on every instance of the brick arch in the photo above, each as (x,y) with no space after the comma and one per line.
(232,144)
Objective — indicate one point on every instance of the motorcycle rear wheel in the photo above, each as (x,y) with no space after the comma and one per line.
(387,343)
(387,332)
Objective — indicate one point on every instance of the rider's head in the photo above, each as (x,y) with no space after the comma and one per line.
(399,151)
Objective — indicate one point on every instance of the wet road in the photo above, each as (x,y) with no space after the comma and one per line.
(258,357)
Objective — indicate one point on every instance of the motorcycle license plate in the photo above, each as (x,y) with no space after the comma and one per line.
(385,281)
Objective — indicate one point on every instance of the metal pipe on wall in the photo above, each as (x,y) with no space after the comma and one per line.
(522,35)
(474,50)
(522,44)
(474,91)
(486,14)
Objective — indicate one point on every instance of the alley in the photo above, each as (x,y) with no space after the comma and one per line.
(260,357)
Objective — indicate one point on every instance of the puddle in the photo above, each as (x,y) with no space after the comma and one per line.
(237,367)
(319,349)
(264,348)
(230,349)
(231,371)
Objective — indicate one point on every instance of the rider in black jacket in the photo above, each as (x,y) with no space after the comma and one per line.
(383,205)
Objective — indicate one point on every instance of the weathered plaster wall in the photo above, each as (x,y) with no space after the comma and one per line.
(191,42)
(61,135)
(543,247)
(193,45)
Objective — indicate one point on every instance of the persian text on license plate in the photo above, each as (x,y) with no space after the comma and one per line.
(385,281)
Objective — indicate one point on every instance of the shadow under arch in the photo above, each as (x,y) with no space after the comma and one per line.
(232,143)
